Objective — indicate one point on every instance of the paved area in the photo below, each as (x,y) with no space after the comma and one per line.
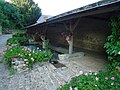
(44,76)
(3,68)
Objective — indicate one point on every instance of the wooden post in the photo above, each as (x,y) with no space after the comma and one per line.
(71,40)
(71,45)
(71,28)
(43,42)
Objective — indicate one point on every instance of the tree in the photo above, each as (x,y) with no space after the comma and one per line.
(10,16)
(30,11)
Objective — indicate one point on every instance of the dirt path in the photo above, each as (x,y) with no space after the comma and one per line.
(3,69)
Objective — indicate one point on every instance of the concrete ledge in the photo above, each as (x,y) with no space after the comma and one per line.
(58,49)
(72,56)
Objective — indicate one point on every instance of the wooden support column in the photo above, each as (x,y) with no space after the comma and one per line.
(44,38)
(71,28)
(71,41)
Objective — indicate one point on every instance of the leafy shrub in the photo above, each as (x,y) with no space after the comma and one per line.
(94,81)
(29,57)
(113,43)
(18,39)
(19,35)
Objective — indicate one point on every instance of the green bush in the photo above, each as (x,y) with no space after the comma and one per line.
(18,39)
(113,43)
(19,35)
(94,81)
(29,57)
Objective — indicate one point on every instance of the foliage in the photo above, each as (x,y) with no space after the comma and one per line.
(113,43)
(17,39)
(30,11)
(18,13)
(10,15)
(29,56)
(94,81)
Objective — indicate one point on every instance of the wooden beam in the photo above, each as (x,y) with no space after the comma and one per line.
(76,23)
(97,18)
(71,29)
(46,29)
(66,27)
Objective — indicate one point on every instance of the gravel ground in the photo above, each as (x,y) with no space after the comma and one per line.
(4,74)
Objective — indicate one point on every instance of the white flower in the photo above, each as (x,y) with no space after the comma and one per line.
(112,83)
(39,50)
(75,88)
(13,62)
(119,52)
(96,78)
(29,54)
(12,45)
(24,64)
(95,73)
(70,88)
(25,59)
(96,85)
(86,74)
(33,51)
(37,47)
(81,72)
(32,59)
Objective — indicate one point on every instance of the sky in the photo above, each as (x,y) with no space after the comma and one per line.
(55,7)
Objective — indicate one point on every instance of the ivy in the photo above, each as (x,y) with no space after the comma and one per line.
(112,45)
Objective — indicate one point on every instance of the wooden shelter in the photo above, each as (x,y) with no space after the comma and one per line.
(89,26)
